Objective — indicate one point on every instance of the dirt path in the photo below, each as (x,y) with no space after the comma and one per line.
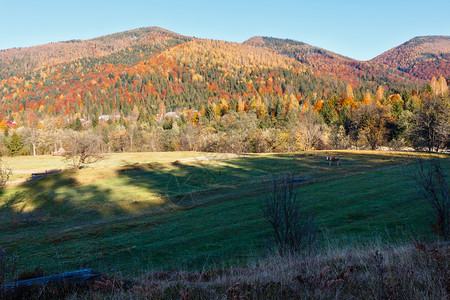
(212,157)
(27,171)
(30,172)
(16,182)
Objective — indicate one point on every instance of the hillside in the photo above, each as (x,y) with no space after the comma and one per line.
(137,212)
(161,225)
(288,47)
(18,60)
(173,74)
(423,57)
(355,72)
(157,72)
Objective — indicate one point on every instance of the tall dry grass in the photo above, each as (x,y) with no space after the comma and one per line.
(414,271)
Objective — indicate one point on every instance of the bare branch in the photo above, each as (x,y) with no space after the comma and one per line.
(293,228)
(5,174)
(432,184)
(84,148)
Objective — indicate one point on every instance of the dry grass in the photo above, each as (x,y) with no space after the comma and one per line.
(414,271)
(408,272)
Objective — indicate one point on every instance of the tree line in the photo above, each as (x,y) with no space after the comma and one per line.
(261,124)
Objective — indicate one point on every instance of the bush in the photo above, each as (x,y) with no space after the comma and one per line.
(8,270)
(5,174)
(432,184)
(293,227)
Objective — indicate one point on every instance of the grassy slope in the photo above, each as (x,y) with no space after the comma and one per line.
(195,214)
(23,166)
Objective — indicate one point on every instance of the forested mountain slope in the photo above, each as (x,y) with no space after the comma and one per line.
(423,57)
(17,60)
(157,71)
(169,74)
(352,71)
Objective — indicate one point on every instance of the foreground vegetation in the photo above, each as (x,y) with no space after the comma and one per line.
(407,272)
(414,271)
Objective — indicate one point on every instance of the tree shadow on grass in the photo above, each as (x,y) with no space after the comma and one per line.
(188,235)
(52,213)
(57,197)
(184,184)
(191,183)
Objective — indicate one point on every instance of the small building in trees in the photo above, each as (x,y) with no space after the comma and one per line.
(61,152)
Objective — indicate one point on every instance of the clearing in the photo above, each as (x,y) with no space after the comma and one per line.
(139,211)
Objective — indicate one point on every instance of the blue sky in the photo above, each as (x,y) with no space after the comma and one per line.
(358,29)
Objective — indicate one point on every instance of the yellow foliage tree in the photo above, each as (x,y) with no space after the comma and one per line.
(367,97)
(433,86)
(349,91)
(442,87)
(379,94)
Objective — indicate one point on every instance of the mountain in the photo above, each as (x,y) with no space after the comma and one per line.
(290,47)
(177,75)
(352,71)
(18,60)
(148,70)
(422,57)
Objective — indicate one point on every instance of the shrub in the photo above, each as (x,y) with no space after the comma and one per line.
(5,174)
(432,184)
(293,228)
(8,270)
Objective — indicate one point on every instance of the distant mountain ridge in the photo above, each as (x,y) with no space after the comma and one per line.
(274,43)
(352,71)
(422,57)
(416,60)
(17,60)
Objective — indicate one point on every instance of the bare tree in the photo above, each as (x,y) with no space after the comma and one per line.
(293,227)
(431,125)
(5,174)
(371,119)
(31,138)
(133,131)
(309,132)
(432,184)
(84,148)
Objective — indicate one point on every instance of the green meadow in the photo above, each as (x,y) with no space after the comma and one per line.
(136,212)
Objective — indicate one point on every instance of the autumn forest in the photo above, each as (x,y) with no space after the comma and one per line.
(154,90)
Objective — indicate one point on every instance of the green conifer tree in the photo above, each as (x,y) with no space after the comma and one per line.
(15,145)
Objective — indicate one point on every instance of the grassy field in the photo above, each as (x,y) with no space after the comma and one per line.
(139,211)
(23,166)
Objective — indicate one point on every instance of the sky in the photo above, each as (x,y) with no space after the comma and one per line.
(358,29)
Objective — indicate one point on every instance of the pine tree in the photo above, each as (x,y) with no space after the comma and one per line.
(95,121)
(77,126)
(15,145)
